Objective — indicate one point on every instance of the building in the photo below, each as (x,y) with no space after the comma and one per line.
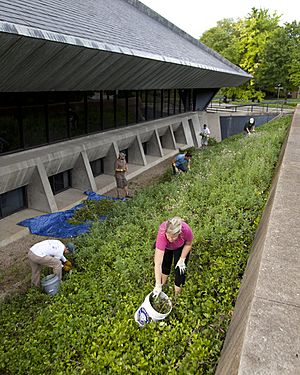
(81,81)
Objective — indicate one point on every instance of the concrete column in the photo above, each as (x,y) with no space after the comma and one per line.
(154,146)
(109,160)
(187,132)
(168,139)
(136,152)
(39,193)
(179,134)
(82,175)
(195,128)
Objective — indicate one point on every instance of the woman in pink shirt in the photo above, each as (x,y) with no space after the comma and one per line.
(174,240)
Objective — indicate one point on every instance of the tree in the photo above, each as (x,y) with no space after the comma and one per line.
(261,47)
(273,69)
(223,39)
(293,30)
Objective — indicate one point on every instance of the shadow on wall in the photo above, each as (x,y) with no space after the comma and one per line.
(231,125)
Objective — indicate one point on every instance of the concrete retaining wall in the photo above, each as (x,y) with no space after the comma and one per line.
(32,168)
(264,334)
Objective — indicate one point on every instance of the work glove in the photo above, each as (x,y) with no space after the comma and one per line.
(181,265)
(67,266)
(157,290)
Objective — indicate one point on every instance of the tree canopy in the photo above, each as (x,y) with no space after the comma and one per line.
(261,47)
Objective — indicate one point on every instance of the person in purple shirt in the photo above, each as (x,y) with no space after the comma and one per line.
(174,241)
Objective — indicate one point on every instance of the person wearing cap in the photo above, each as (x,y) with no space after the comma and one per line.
(173,242)
(249,127)
(48,253)
(121,168)
(205,134)
(182,162)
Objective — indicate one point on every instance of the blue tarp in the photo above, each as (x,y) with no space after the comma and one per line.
(56,224)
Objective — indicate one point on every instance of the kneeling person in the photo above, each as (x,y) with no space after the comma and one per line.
(182,162)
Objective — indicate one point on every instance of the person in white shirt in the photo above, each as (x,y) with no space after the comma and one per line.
(205,133)
(48,253)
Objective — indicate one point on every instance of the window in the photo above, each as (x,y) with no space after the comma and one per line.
(97,167)
(121,112)
(34,119)
(10,134)
(76,114)
(109,104)
(57,116)
(12,201)
(94,116)
(141,106)
(131,109)
(150,105)
(60,182)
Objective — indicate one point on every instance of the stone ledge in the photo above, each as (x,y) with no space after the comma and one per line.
(264,334)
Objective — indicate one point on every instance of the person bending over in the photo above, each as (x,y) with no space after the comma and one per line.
(173,243)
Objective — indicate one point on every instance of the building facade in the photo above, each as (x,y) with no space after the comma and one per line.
(82,81)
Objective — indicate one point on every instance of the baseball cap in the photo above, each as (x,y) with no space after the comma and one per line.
(71,247)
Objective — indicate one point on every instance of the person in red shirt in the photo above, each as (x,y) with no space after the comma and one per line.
(174,241)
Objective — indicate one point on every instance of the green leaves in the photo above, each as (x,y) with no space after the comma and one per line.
(89,327)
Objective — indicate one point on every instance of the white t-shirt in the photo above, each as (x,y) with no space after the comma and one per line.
(52,248)
(205,132)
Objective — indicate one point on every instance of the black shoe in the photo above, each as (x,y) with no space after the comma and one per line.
(128,196)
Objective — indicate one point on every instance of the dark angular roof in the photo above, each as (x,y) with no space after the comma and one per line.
(124,27)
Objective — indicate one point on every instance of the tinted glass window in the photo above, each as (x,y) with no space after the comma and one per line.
(150,105)
(60,182)
(121,108)
(131,112)
(108,109)
(76,114)
(34,119)
(57,116)
(97,167)
(94,119)
(10,135)
(141,106)
(158,103)
(12,201)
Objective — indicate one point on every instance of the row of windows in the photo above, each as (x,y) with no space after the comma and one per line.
(34,119)
(16,200)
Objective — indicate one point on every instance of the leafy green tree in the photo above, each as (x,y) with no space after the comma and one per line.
(254,31)
(274,65)
(223,39)
(261,47)
(293,30)
(280,59)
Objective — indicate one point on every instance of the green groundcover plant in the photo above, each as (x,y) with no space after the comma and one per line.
(89,326)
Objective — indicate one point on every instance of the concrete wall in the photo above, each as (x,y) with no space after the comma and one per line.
(31,168)
(264,334)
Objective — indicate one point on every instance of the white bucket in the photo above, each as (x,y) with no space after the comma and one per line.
(146,312)
(50,284)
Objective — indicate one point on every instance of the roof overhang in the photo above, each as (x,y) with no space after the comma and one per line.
(38,60)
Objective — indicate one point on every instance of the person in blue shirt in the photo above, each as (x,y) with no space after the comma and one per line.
(181,162)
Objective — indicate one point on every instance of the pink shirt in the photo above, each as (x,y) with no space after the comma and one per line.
(161,240)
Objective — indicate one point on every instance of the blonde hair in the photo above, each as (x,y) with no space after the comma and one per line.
(174,225)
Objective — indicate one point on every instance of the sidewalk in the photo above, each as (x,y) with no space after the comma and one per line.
(264,334)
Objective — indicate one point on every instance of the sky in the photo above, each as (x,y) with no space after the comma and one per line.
(197,16)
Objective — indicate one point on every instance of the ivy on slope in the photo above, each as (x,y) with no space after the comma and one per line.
(89,327)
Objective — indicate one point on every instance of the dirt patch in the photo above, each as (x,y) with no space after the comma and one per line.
(15,271)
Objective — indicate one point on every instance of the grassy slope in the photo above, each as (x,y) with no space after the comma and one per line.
(88,328)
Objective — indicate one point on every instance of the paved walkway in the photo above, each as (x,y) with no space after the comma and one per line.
(264,334)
